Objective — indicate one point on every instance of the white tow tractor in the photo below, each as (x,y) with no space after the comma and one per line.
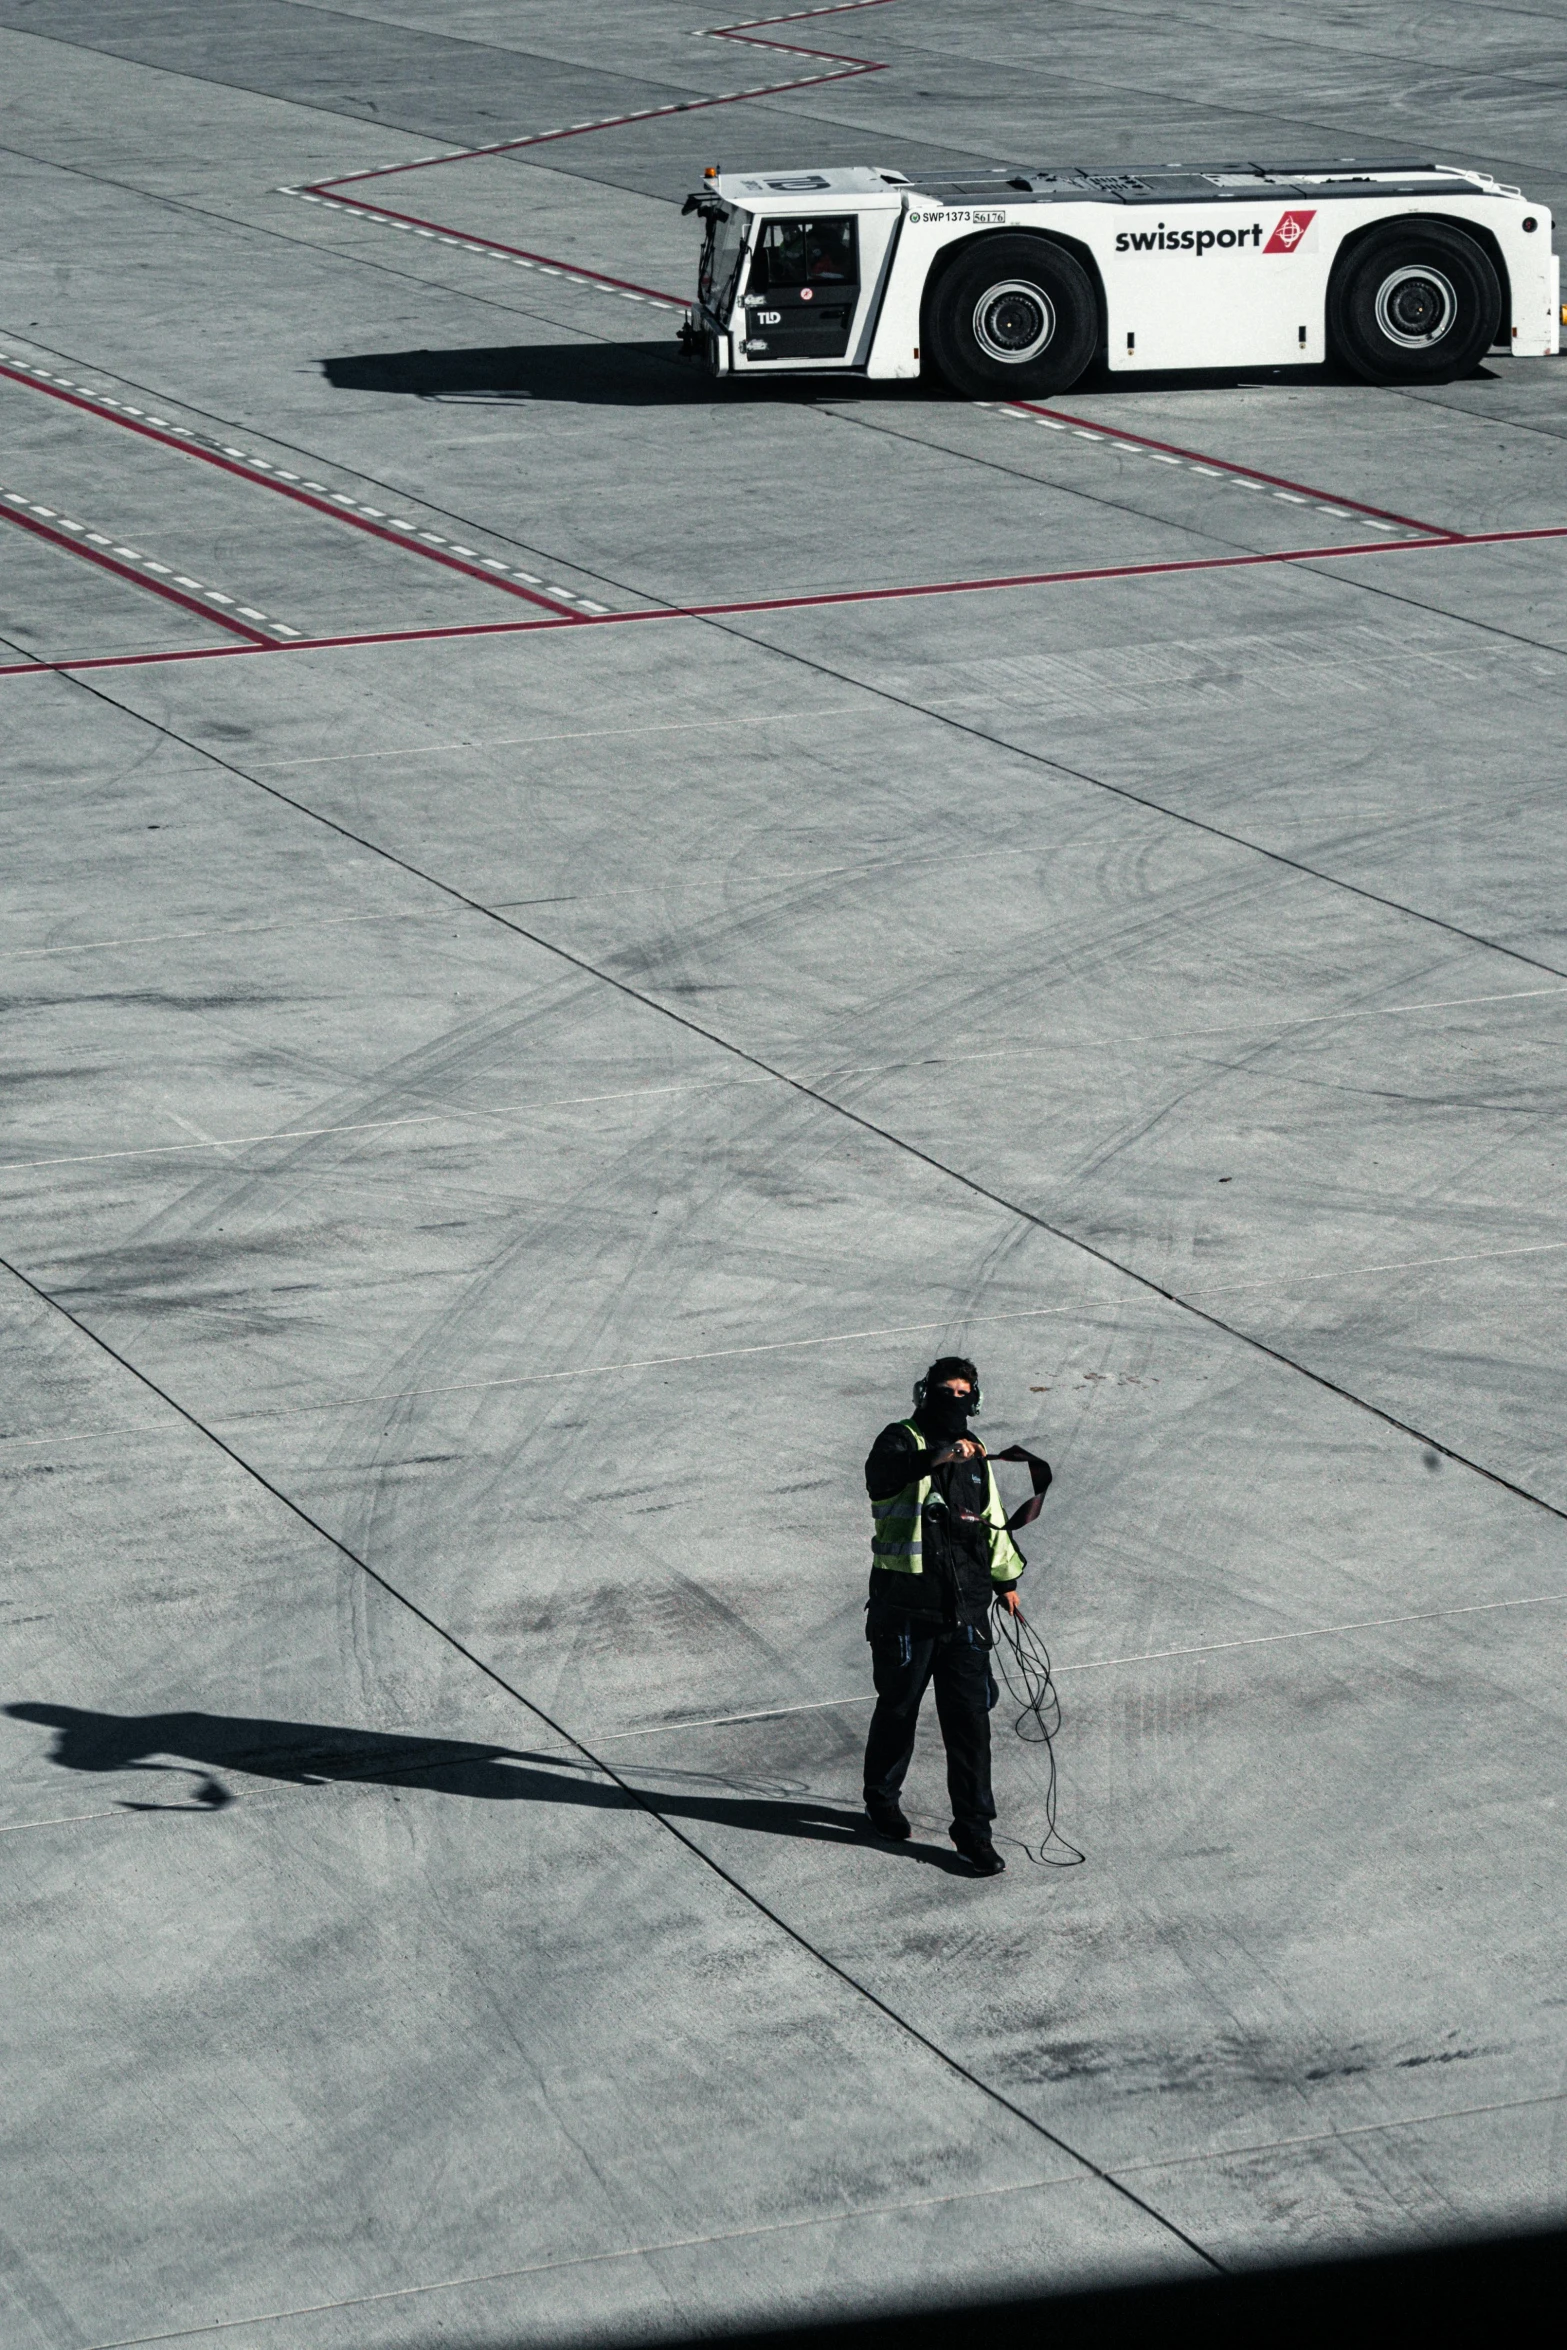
(1010,283)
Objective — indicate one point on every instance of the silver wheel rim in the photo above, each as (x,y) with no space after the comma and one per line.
(1416,306)
(1013,321)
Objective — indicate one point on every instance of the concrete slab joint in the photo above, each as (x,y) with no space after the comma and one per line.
(735,892)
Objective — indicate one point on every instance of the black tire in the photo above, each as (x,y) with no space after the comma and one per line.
(1417,302)
(1012,317)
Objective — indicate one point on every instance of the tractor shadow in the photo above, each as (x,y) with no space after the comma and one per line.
(594,375)
(654,375)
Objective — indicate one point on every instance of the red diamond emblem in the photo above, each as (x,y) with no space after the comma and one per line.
(1289,232)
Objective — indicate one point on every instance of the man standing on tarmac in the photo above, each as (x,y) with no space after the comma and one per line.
(940,1550)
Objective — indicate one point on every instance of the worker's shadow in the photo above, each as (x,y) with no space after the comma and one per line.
(308,1754)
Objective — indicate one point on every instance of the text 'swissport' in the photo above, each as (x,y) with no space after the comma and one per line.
(1288,234)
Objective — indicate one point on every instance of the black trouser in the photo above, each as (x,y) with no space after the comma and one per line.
(905,1661)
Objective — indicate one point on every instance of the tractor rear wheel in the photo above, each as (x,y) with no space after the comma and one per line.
(1416,302)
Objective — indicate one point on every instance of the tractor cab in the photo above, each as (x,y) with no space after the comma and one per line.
(786,266)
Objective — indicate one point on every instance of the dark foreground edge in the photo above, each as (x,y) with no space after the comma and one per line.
(1499,2288)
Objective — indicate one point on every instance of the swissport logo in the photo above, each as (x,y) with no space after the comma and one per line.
(1291,233)
(1293,230)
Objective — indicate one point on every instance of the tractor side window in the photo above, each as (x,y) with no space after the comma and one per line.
(794,253)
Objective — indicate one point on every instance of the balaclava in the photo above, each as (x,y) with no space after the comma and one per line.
(945,1416)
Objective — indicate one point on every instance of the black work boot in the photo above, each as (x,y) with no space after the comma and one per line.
(978,1851)
(887,1818)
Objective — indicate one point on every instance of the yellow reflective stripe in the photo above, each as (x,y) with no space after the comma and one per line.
(896,1544)
(1006,1560)
(895,1537)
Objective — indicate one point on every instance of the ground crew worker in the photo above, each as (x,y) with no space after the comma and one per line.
(940,1551)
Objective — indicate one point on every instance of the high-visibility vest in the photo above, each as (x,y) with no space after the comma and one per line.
(897,1526)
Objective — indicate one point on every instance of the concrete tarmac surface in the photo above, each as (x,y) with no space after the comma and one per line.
(539,996)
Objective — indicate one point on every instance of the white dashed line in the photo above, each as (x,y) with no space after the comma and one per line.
(752,24)
(133,558)
(607,122)
(486,252)
(1223,474)
(274,472)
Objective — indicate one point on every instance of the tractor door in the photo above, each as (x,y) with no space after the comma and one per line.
(803,290)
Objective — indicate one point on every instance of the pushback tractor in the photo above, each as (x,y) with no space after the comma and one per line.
(1009,284)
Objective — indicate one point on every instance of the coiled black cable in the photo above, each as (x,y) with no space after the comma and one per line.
(1023,1662)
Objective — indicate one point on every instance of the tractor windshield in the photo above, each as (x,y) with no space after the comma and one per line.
(719,268)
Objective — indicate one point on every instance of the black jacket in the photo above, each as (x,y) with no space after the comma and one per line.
(955,1585)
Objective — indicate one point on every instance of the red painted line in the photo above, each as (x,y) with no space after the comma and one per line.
(1440,542)
(131,660)
(391,171)
(849,67)
(1428,531)
(611,122)
(748,32)
(1277,481)
(457,563)
(261,481)
(620,285)
(614,122)
(890,595)
(154,587)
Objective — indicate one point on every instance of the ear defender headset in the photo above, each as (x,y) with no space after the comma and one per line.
(950,1367)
